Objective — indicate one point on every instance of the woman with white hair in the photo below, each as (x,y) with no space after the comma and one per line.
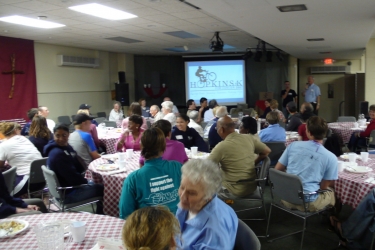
(167,109)
(193,115)
(206,222)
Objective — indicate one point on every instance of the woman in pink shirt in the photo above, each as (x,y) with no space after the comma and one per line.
(134,109)
(132,136)
(174,150)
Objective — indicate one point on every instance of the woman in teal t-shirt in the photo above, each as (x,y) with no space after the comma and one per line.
(156,183)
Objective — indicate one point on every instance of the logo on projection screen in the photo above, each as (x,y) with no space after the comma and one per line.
(209,79)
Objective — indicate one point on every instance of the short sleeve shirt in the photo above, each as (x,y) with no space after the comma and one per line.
(311,162)
(289,98)
(83,144)
(312,93)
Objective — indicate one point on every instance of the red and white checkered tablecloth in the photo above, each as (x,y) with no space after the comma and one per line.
(112,183)
(109,139)
(98,226)
(290,140)
(343,129)
(350,188)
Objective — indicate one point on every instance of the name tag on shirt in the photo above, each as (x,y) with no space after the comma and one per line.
(290,94)
(179,137)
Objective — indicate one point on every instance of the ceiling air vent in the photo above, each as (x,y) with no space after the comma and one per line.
(77,61)
(329,70)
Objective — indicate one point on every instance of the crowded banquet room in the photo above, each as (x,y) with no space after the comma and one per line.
(187,124)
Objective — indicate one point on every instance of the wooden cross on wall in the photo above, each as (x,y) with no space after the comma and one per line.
(13,72)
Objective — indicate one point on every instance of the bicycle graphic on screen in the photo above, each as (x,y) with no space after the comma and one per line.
(204,77)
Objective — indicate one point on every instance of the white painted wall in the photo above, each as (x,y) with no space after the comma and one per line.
(63,89)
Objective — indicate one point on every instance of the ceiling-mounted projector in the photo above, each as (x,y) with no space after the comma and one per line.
(216,45)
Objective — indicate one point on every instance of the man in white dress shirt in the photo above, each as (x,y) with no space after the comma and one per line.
(43,111)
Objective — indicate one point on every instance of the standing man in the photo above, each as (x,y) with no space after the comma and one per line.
(312,94)
(288,95)
(43,111)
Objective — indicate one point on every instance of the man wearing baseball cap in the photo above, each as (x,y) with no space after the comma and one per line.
(84,106)
(81,140)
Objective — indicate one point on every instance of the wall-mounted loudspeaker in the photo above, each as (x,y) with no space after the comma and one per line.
(121,77)
(122,93)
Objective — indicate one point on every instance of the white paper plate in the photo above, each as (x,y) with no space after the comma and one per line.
(2,222)
(107,167)
(346,157)
(356,128)
(110,156)
(358,169)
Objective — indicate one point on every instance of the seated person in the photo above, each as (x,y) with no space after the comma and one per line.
(93,132)
(159,233)
(209,114)
(213,137)
(167,110)
(11,207)
(273,132)
(313,164)
(359,138)
(39,133)
(237,157)
(132,136)
(249,126)
(19,152)
(193,115)
(209,124)
(294,119)
(134,109)
(267,110)
(202,109)
(62,159)
(155,113)
(355,232)
(30,114)
(174,150)
(274,105)
(145,109)
(307,111)
(156,182)
(188,136)
(206,221)
(81,140)
(116,114)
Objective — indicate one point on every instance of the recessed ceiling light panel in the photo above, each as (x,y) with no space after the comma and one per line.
(31,22)
(289,8)
(102,11)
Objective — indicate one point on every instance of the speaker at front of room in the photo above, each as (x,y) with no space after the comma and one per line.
(363,108)
(122,93)
(121,77)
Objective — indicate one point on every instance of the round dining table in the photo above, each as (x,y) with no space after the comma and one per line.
(109,138)
(351,187)
(344,129)
(97,226)
(112,181)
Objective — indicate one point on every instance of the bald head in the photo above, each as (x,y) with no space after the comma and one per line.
(225,126)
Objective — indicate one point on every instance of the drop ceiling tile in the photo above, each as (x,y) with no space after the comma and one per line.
(12,1)
(36,6)
(203,20)
(189,14)
(64,13)
(8,10)
(173,7)
(145,11)
(161,18)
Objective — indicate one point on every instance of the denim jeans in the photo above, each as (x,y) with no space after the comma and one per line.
(86,192)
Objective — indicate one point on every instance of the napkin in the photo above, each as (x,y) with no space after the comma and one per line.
(114,172)
(370,180)
(109,244)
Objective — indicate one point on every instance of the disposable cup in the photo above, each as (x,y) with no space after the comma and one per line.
(194,150)
(129,153)
(352,157)
(121,156)
(364,156)
(356,124)
(78,230)
(121,164)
